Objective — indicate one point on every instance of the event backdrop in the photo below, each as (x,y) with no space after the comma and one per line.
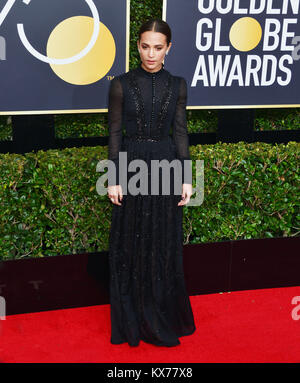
(236,53)
(55,59)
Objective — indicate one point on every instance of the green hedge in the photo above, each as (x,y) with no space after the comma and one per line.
(199,121)
(49,205)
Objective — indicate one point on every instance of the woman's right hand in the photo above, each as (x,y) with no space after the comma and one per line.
(115,193)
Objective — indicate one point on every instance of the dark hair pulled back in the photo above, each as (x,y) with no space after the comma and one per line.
(156,25)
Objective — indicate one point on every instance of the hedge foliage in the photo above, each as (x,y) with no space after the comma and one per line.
(49,204)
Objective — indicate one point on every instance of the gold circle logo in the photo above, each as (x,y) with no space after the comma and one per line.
(64,42)
(245,34)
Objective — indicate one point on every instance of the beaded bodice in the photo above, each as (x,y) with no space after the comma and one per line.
(157,88)
(148,106)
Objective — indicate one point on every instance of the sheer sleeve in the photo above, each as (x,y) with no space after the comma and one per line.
(180,134)
(115,105)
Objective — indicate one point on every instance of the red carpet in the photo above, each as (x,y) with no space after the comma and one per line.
(243,326)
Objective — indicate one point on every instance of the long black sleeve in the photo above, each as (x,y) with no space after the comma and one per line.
(115,105)
(180,133)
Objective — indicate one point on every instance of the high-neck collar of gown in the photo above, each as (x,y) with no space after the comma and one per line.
(145,73)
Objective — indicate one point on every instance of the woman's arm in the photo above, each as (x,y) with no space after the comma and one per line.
(180,133)
(115,105)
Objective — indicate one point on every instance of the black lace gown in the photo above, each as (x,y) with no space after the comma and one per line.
(148,297)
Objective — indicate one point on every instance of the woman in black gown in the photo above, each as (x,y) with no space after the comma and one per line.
(148,295)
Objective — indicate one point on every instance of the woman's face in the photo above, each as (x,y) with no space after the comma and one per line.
(153,47)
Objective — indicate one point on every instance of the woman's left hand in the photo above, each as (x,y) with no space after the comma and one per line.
(187,190)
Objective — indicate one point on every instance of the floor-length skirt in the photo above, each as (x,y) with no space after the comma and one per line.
(148,295)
